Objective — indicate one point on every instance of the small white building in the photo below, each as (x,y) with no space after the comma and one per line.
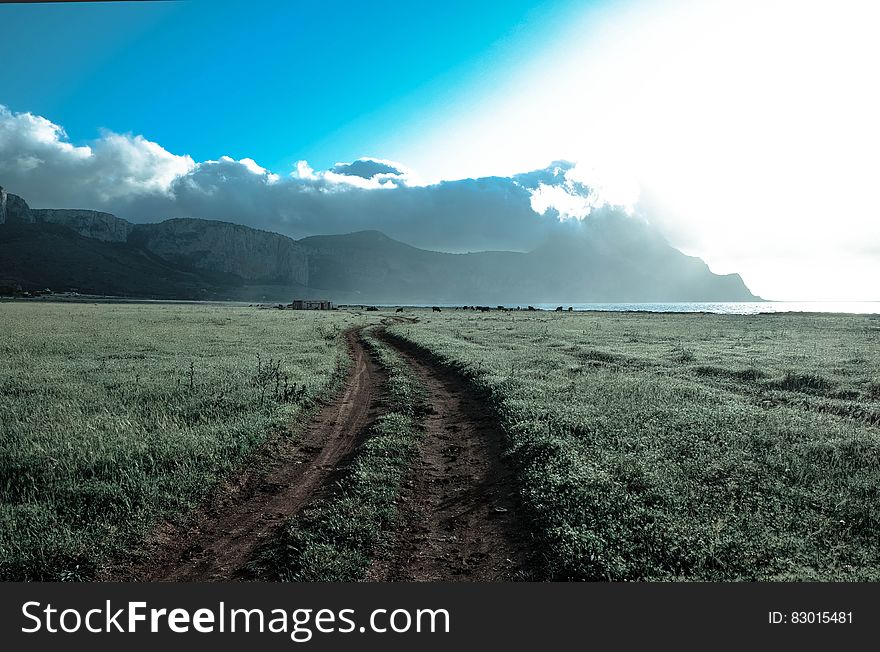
(311,304)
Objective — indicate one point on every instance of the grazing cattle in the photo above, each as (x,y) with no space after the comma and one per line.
(558,308)
(436,309)
(570,309)
(372,309)
(532,308)
(399,310)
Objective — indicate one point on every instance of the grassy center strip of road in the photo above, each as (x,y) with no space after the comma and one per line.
(337,537)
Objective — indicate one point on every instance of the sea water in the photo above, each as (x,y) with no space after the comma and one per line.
(729,307)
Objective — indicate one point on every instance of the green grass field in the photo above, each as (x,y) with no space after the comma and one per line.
(695,447)
(646,446)
(115,416)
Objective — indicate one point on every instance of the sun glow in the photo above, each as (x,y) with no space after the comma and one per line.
(747,130)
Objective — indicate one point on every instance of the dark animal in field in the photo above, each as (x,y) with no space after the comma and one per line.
(532,308)
(501,308)
(483,308)
(570,309)
(399,310)
(436,309)
(372,309)
(558,308)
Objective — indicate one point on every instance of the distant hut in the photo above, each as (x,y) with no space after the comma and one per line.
(311,304)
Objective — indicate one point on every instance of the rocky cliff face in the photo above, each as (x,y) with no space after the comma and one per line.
(14,209)
(227,248)
(90,224)
(216,247)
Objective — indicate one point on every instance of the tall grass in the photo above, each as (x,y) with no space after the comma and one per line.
(115,416)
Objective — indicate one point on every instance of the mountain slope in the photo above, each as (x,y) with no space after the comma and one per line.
(370,266)
(611,258)
(37,256)
(617,258)
(240,252)
(612,261)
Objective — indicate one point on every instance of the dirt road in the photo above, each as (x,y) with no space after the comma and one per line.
(458,508)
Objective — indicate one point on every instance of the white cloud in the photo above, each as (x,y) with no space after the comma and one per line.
(566,203)
(139,180)
(575,190)
(37,160)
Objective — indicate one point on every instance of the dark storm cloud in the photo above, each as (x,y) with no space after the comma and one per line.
(367,168)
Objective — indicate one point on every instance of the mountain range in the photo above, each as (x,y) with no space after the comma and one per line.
(613,258)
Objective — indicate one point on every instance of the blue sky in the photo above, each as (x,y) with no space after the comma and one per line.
(275,81)
(745,131)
